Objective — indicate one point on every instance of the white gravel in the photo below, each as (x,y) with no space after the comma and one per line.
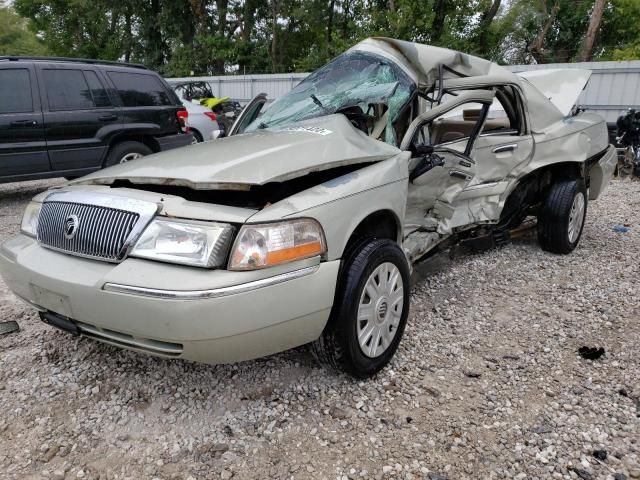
(487,382)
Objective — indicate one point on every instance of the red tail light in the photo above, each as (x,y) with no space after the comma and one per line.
(182,116)
(212,116)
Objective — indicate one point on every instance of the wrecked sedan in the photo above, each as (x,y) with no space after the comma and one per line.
(301,227)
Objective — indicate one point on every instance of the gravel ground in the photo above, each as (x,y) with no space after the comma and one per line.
(487,382)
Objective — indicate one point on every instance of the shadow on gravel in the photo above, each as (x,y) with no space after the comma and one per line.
(27,190)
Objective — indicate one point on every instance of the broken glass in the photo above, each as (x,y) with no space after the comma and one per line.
(357,80)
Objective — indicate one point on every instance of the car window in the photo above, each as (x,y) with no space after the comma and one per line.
(15,91)
(67,90)
(503,117)
(140,89)
(452,127)
(99,93)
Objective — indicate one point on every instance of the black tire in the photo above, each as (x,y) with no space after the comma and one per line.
(555,216)
(197,136)
(120,150)
(338,346)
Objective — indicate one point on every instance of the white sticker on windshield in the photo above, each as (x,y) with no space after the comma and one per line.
(316,130)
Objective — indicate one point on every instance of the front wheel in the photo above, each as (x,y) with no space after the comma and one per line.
(370,310)
(561,218)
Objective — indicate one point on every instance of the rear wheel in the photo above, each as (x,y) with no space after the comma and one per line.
(370,311)
(197,136)
(125,152)
(561,218)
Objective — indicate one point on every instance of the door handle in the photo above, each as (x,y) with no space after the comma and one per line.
(23,123)
(506,148)
(459,174)
(108,118)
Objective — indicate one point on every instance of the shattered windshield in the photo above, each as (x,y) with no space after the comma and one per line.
(354,82)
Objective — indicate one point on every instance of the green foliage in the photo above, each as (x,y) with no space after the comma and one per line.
(15,36)
(204,37)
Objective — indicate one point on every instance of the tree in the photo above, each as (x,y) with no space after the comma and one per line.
(15,36)
(594,26)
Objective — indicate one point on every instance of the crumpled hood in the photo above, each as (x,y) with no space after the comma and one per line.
(237,162)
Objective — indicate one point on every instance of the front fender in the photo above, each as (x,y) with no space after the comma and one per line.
(343,202)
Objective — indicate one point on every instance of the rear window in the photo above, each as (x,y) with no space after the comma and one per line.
(15,91)
(140,90)
(67,90)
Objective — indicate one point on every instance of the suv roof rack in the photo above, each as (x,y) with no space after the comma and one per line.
(15,58)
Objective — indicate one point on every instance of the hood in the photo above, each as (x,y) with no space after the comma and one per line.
(237,162)
(561,86)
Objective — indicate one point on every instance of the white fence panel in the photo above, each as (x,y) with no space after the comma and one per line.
(613,88)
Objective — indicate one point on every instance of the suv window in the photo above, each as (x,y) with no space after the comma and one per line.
(100,97)
(140,90)
(67,90)
(15,91)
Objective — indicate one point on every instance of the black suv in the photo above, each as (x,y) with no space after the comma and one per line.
(69,117)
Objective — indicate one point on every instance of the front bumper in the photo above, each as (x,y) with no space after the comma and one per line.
(601,173)
(173,311)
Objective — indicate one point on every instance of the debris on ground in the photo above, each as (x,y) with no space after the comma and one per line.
(591,353)
(8,327)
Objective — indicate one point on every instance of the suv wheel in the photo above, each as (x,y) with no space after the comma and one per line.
(125,152)
(370,310)
(561,219)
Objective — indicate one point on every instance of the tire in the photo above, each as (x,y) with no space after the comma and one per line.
(197,136)
(338,346)
(126,151)
(561,218)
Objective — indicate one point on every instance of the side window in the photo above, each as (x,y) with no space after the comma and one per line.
(451,127)
(100,96)
(140,89)
(67,90)
(15,91)
(505,115)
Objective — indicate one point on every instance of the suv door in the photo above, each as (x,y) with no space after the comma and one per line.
(78,115)
(23,149)
(149,106)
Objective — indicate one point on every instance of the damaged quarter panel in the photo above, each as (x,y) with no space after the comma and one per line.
(342,203)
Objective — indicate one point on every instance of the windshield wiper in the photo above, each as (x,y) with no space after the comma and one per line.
(318,102)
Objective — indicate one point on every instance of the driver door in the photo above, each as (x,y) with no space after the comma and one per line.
(441,167)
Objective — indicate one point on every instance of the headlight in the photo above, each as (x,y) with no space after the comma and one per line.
(199,244)
(29,224)
(259,246)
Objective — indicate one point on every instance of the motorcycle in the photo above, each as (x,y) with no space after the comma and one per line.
(628,143)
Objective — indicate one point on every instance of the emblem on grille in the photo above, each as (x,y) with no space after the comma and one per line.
(71,224)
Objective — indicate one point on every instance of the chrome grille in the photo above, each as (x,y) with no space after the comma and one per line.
(100,232)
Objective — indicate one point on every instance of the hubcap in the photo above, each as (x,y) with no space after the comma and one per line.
(576,217)
(380,309)
(131,156)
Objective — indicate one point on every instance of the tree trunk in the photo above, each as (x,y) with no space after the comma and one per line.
(537,47)
(274,36)
(592,32)
(345,19)
(437,27)
(485,22)
(332,4)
